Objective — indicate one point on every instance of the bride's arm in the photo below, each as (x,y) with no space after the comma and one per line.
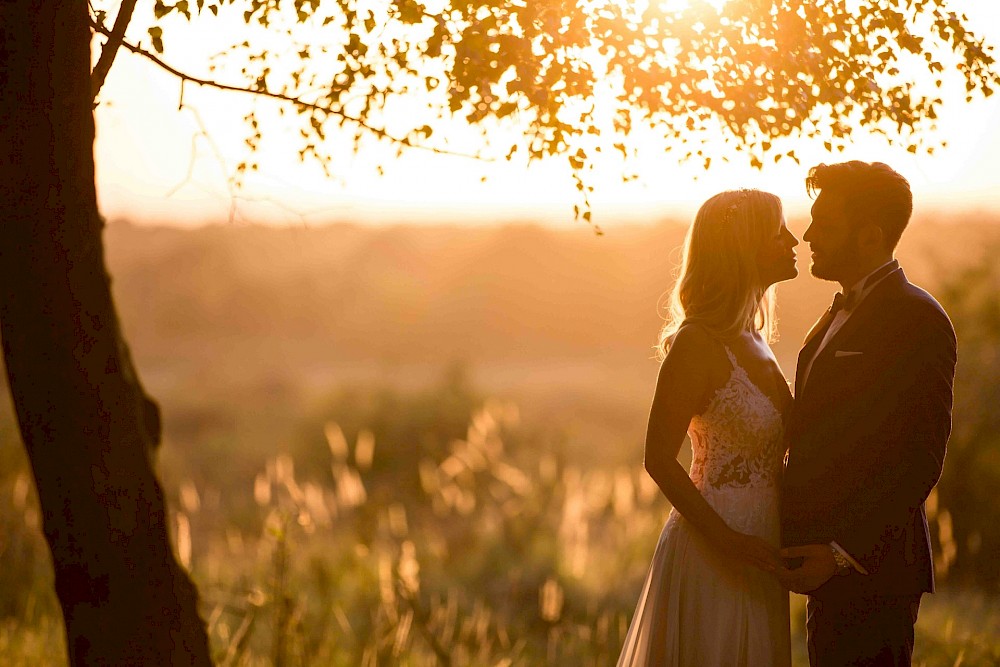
(687,377)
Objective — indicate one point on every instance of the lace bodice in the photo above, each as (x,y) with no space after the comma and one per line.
(738,441)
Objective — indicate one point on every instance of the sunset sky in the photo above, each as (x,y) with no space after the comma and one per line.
(155,164)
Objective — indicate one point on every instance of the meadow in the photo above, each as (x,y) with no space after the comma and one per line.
(410,446)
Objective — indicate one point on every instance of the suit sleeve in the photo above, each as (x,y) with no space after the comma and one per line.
(909,443)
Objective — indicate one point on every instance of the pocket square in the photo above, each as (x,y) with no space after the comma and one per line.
(839,354)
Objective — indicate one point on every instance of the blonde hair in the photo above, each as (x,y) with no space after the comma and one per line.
(718,286)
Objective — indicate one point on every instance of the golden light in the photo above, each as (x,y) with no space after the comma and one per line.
(158,164)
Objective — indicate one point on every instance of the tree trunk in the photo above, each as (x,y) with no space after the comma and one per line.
(87,425)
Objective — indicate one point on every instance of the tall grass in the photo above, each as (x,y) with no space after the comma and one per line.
(503,557)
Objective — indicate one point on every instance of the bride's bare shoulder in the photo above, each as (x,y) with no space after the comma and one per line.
(694,346)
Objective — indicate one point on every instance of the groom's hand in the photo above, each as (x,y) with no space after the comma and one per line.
(817,567)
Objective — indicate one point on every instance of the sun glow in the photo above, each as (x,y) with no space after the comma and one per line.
(678,6)
(158,164)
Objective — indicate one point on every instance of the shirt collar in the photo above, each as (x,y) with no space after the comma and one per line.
(864,285)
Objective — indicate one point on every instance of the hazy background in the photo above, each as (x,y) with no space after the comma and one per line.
(559,320)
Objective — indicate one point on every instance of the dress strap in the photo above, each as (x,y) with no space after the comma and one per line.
(732,357)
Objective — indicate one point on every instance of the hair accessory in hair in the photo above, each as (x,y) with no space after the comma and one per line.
(741,196)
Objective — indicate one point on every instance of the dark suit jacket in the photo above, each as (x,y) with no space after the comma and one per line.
(866,439)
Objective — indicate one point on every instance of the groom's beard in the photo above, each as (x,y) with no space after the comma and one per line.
(834,263)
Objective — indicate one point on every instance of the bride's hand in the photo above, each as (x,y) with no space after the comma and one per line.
(752,550)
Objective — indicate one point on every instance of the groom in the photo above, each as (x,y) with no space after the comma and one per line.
(867,434)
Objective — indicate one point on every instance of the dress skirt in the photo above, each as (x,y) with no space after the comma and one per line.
(701,609)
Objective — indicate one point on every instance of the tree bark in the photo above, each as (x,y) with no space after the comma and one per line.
(87,425)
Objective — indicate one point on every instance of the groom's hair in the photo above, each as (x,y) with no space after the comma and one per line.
(872,192)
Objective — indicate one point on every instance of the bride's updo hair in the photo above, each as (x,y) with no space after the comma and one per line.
(719,286)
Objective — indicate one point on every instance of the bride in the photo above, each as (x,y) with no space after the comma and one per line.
(711,597)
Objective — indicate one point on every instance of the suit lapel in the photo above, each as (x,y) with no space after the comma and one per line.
(856,321)
(809,346)
(866,309)
(818,329)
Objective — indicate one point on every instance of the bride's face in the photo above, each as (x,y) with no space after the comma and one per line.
(776,257)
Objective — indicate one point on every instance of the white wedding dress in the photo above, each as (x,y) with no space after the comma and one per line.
(697,608)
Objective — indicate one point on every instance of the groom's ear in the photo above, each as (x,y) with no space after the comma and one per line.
(871,235)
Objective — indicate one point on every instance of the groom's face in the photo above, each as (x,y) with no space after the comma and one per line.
(832,238)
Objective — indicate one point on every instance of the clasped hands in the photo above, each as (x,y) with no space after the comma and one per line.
(817,566)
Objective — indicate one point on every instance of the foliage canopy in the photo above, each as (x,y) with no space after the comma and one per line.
(583,77)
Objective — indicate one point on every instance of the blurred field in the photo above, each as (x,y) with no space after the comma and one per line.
(410,446)
(562,321)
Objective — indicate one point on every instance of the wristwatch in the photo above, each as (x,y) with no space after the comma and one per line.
(844,566)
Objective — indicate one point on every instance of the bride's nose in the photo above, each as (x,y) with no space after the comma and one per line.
(794,239)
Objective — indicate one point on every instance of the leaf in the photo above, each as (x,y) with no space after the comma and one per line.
(156,35)
(410,12)
(506,109)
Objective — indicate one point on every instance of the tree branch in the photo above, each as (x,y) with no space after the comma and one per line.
(302,104)
(115,39)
